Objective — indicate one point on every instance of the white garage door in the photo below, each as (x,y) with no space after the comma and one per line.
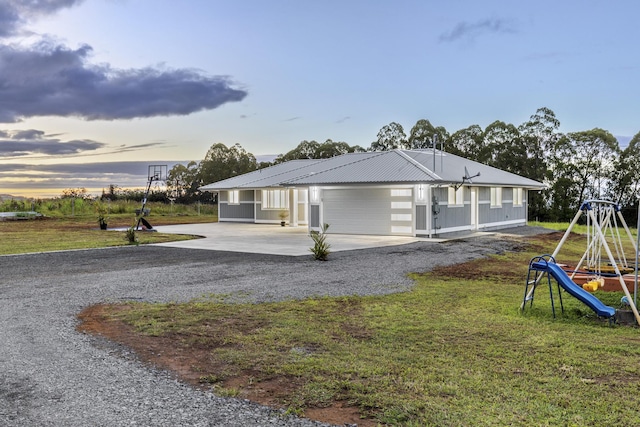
(381,211)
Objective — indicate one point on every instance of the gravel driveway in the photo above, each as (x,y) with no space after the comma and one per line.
(51,375)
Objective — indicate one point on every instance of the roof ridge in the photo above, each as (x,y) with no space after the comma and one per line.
(362,159)
(307,164)
(419,165)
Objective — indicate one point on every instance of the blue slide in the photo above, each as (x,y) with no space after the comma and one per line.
(576,291)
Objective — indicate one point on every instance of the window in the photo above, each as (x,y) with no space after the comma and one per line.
(315,195)
(421,194)
(233,197)
(496,197)
(275,199)
(517,196)
(401,205)
(401,192)
(455,196)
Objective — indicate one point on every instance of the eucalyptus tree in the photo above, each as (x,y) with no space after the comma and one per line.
(581,163)
(330,149)
(624,176)
(423,133)
(467,142)
(503,147)
(314,150)
(182,181)
(222,162)
(540,135)
(304,150)
(390,137)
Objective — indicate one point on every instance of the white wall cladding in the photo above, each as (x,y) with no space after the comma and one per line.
(367,210)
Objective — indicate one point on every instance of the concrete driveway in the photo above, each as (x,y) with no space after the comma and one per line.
(271,239)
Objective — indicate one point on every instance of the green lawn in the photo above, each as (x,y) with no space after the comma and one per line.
(82,232)
(453,351)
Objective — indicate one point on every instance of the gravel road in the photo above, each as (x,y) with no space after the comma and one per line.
(52,375)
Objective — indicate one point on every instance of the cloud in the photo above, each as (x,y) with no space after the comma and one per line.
(15,13)
(343,119)
(29,142)
(35,145)
(49,79)
(50,180)
(57,81)
(291,119)
(83,170)
(475,29)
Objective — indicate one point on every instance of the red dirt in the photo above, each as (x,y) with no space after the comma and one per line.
(189,365)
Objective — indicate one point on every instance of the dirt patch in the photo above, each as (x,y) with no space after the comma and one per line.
(192,365)
(488,269)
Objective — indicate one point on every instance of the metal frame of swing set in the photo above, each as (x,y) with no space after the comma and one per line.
(596,241)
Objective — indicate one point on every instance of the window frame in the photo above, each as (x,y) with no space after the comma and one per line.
(518,196)
(496,197)
(269,201)
(455,198)
(233,197)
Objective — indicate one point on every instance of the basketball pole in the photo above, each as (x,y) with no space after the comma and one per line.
(155,173)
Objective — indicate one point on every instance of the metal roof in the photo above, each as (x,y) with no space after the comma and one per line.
(372,167)
(451,168)
(383,167)
(271,176)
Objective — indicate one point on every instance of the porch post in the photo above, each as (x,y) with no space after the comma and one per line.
(293,207)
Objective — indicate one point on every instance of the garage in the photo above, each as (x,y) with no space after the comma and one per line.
(369,210)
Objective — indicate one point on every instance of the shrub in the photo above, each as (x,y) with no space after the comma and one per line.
(130,235)
(320,248)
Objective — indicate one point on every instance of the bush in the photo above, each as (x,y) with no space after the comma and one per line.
(320,248)
(130,235)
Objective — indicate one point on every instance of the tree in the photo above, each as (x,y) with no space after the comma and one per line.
(182,183)
(222,162)
(390,137)
(75,193)
(304,150)
(580,164)
(330,149)
(422,135)
(625,177)
(539,135)
(503,147)
(314,150)
(468,142)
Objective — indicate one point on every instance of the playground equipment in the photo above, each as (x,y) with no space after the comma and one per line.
(545,265)
(156,174)
(603,220)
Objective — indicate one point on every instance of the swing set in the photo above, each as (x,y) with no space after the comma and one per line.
(604,261)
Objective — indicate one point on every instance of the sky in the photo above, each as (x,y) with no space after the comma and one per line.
(94,91)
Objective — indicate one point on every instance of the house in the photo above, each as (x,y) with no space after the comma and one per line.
(398,192)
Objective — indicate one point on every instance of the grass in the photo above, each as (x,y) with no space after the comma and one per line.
(453,351)
(81,232)
(559,226)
